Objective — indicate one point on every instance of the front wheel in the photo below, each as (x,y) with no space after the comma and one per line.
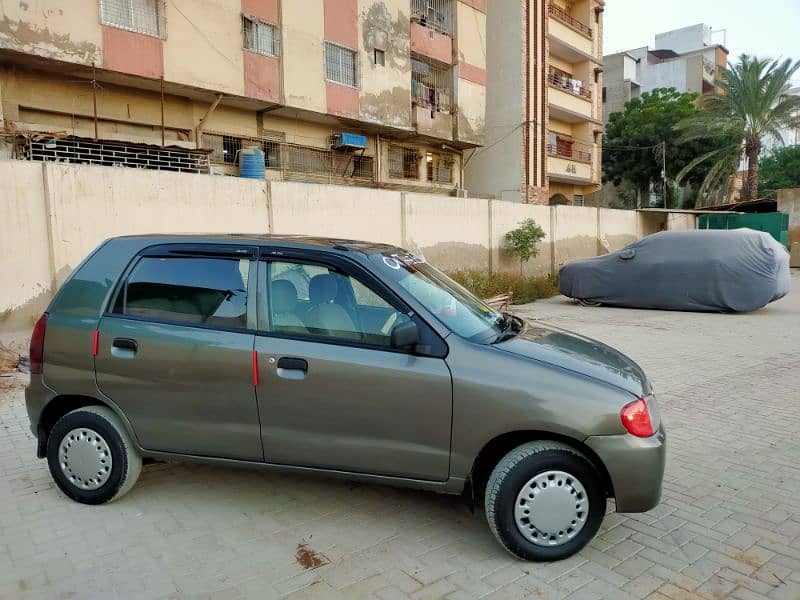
(91,456)
(544,501)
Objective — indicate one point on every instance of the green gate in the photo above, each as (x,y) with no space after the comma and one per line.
(776,223)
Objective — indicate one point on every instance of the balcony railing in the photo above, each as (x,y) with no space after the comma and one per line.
(563,16)
(565,81)
(570,150)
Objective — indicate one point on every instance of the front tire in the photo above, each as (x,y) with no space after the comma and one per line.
(91,456)
(544,501)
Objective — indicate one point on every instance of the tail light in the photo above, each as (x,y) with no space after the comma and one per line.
(636,418)
(37,345)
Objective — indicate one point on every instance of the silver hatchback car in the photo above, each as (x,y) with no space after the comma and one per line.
(341,358)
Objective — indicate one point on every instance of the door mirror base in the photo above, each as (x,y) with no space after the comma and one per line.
(405,336)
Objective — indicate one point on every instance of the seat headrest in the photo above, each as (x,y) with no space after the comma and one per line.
(284,296)
(322,288)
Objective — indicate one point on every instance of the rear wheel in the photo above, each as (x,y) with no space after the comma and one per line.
(91,456)
(544,501)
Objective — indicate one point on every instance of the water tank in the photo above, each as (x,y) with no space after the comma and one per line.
(251,162)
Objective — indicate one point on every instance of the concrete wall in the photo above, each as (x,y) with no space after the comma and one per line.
(789,202)
(499,172)
(25,271)
(341,211)
(52,215)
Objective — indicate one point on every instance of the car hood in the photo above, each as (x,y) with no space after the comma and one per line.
(579,354)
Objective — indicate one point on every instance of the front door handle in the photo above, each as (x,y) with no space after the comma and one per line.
(293,364)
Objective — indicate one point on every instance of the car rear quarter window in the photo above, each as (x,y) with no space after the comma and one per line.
(196,290)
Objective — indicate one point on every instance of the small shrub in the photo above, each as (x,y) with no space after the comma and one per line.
(522,241)
(525,288)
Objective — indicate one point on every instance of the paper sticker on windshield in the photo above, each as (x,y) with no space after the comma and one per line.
(391,262)
(396,261)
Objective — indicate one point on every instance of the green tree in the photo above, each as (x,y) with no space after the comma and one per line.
(779,169)
(522,241)
(751,105)
(636,138)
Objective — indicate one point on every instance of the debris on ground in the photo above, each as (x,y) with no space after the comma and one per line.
(9,360)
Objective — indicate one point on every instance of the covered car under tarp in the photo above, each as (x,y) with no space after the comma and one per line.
(705,270)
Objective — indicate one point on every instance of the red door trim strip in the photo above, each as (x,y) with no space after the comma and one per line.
(255,367)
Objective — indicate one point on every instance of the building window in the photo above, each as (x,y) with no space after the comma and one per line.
(259,36)
(380,57)
(141,16)
(604,93)
(435,14)
(577,200)
(340,64)
(225,148)
(439,167)
(403,163)
(431,84)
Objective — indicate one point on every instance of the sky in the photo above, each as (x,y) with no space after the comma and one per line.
(763,27)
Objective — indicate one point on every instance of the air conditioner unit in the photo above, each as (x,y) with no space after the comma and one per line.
(349,141)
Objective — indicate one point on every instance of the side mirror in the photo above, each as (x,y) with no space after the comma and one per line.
(405,335)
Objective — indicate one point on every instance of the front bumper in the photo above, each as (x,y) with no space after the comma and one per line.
(636,467)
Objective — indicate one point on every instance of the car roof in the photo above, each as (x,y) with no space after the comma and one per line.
(269,239)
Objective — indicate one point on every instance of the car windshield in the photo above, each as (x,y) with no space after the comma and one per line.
(460,311)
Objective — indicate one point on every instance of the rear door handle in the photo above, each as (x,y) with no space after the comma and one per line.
(125,344)
(124,348)
(293,364)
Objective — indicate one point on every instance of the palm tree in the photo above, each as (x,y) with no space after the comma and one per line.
(751,105)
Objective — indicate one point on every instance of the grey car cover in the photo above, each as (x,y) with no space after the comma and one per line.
(705,270)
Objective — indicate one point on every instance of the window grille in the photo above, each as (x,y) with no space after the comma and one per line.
(578,200)
(431,84)
(225,148)
(435,14)
(403,163)
(141,16)
(108,153)
(260,37)
(340,64)
(295,161)
(440,168)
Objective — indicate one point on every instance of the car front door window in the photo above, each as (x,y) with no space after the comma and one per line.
(319,302)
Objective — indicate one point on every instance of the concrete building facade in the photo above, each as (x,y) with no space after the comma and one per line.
(686,59)
(543,105)
(385,93)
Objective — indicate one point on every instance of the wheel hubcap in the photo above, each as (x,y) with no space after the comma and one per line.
(551,508)
(85,458)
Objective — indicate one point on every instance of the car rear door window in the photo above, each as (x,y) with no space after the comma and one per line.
(194,290)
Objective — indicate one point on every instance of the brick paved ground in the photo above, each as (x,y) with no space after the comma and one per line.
(728,525)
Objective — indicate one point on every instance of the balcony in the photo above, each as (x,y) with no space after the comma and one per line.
(570,99)
(570,39)
(562,80)
(563,16)
(569,161)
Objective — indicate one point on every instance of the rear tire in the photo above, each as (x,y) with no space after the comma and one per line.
(544,501)
(91,456)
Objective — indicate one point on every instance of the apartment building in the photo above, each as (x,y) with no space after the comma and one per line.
(686,59)
(543,105)
(385,93)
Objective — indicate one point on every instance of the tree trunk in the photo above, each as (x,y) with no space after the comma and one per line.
(750,184)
